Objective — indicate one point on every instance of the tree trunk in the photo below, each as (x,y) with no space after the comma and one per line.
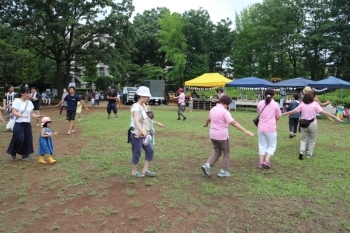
(59,78)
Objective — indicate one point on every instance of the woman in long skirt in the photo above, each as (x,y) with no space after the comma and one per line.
(22,137)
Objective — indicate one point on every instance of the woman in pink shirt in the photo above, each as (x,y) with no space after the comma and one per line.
(309,109)
(269,112)
(220,118)
(181,104)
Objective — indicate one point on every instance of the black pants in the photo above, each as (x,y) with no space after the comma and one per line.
(62,109)
(293,124)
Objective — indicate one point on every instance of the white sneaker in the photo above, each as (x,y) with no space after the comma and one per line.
(206,170)
(224,174)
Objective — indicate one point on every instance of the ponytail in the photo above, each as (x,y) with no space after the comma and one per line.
(267,99)
(269,93)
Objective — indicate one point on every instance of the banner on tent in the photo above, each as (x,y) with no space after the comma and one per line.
(321,90)
(202,88)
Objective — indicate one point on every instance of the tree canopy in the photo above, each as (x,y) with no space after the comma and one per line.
(48,41)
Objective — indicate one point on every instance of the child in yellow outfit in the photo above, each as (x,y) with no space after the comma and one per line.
(45,141)
(79,109)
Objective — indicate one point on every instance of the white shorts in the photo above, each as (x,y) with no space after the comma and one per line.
(267,143)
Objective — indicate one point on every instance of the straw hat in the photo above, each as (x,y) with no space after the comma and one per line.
(307,89)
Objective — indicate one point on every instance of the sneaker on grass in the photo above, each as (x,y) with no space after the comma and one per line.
(206,170)
(223,173)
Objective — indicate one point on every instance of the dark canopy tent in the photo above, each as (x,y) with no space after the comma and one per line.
(331,83)
(250,82)
(294,83)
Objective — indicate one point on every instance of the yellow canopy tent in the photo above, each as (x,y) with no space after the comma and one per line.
(208,80)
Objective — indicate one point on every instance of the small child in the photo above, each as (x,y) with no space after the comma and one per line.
(79,109)
(1,117)
(340,110)
(190,104)
(150,136)
(45,141)
(148,125)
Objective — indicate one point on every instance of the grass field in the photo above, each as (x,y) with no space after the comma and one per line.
(90,189)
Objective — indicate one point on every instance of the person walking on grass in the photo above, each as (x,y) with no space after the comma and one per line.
(97,98)
(64,104)
(72,100)
(1,117)
(181,104)
(269,113)
(309,109)
(138,133)
(340,110)
(9,98)
(79,110)
(219,119)
(45,145)
(219,94)
(35,98)
(112,103)
(293,119)
(306,90)
(22,137)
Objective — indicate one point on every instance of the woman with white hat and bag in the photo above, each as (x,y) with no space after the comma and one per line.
(138,133)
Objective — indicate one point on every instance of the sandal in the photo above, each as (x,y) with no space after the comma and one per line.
(69,133)
(150,174)
(138,175)
(73,131)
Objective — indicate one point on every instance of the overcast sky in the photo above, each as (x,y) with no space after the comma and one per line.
(218,9)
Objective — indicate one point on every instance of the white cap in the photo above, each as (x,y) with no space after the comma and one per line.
(143,91)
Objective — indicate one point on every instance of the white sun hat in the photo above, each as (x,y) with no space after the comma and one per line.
(143,91)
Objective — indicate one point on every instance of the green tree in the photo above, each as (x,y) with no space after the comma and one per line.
(222,45)
(198,30)
(173,43)
(60,30)
(146,26)
(17,65)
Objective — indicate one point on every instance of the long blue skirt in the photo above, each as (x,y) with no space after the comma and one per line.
(22,139)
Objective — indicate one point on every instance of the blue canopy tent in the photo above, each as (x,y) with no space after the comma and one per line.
(331,83)
(250,82)
(294,83)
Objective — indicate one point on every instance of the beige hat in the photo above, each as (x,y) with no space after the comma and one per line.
(45,120)
(307,89)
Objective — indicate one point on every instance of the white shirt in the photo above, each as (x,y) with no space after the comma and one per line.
(19,105)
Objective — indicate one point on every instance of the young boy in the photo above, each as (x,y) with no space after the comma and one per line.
(72,100)
(340,110)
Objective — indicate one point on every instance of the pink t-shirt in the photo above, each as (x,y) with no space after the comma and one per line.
(309,111)
(220,118)
(267,119)
(182,99)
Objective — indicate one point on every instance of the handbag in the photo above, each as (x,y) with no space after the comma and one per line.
(13,119)
(256,120)
(305,123)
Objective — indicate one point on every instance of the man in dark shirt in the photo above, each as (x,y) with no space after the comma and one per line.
(112,103)
(35,98)
(72,100)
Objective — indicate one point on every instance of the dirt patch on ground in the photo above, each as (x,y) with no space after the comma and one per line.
(46,198)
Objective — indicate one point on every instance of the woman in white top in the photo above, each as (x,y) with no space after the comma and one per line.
(138,116)
(22,137)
